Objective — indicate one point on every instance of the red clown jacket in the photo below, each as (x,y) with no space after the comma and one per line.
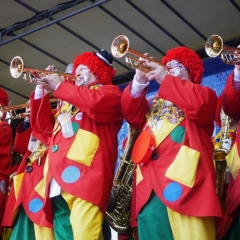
(83,165)
(231,98)
(23,189)
(183,174)
(5,163)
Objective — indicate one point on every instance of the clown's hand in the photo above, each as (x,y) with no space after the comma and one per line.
(140,76)
(53,80)
(158,72)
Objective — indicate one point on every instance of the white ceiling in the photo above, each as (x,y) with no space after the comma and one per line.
(54,32)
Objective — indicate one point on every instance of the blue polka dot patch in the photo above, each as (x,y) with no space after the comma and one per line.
(172,192)
(35,205)
(71,174)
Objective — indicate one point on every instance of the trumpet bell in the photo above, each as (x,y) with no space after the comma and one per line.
(214,47)
(16,67)
(120,46)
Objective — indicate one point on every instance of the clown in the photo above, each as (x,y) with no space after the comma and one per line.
(80,168)
(230,100)
(5,154)
(175,177)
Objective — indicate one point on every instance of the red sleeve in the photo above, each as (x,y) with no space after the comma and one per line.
(42,121)
(196,101)
(134,109)
(21,139)
(5,150)
(101,104)
(231,99)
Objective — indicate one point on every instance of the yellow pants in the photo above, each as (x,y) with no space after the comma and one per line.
(86,218)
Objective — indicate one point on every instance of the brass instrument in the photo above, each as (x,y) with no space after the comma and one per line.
(32,75)
(11,109)
(219,158)
(214,47)
(119,48)
(119,216)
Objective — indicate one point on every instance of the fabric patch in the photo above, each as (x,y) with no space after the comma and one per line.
(84,147)
(75,126)
(172,192)
(177,135)
(184,167)
(71,174)
(35,205)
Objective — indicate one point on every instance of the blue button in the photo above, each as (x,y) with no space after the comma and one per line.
(55,148)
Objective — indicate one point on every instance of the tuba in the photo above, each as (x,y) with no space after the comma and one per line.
(120,47)
(33,75)
(118,215)
(214,47)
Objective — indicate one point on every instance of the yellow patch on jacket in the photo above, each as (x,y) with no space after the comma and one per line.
(184,167)
(84,147)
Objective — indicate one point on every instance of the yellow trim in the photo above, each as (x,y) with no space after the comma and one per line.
(139,176)
(233,161)
(164,130)
(184,167)
(17,181)
(41,186)
(84,147)
(189,228)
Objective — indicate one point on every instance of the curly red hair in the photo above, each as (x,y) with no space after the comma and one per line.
(103,72)
(3,97)
(189,59)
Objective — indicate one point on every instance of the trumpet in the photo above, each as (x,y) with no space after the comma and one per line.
(119,48)
(12,113)
(214,47)
(33,75)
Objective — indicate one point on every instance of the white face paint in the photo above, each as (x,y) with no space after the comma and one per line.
(82,73)
(84,76)
(177,69)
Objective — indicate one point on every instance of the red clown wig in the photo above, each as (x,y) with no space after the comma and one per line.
(3,97)
(189,59)
(98,63)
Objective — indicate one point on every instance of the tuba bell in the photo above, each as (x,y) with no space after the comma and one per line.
(118,215)
(214,47)
(120,47)
(32,75)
